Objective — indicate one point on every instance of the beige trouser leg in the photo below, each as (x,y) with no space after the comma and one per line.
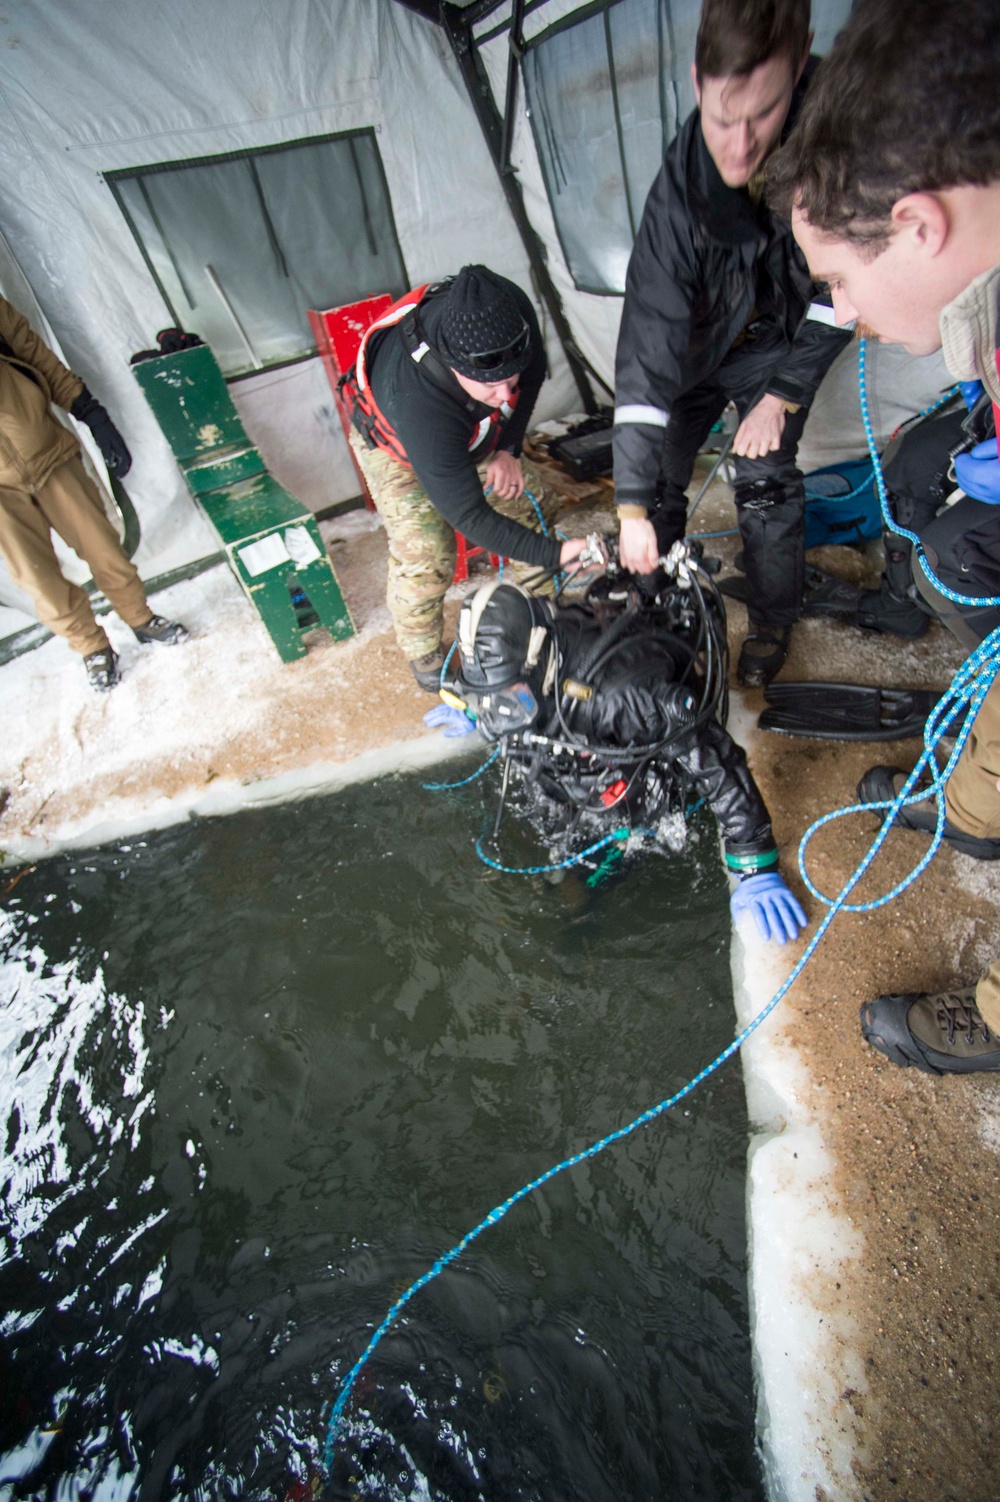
(972,798)
(69,504)
(422,544)
(988,996)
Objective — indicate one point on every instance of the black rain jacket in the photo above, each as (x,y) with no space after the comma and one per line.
(708,266)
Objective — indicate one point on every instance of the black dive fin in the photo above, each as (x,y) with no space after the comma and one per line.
(849,711)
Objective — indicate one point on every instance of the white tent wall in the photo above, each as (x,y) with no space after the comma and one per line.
(90,88)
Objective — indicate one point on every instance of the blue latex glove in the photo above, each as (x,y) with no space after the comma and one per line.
(454,722)
(978,472)
(971,392)
(777,911)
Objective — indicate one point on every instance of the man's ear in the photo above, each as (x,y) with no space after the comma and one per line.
(805,56)
(924,219)
(697,85)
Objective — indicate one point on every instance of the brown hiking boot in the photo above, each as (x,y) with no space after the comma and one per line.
(939,1032)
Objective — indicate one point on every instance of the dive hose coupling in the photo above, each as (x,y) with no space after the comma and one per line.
(681,562)
(596,552)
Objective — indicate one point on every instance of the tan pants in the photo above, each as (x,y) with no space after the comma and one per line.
(69,504)
(971,795)
(972,801)
(422,544)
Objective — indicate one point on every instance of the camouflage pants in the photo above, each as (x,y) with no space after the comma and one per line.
(422,544)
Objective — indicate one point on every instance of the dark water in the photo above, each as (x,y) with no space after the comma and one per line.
(259,1072)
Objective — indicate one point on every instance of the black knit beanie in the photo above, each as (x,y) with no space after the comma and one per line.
(481,316)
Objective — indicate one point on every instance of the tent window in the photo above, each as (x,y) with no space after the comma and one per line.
(607,88)
(605,96)
(241,245)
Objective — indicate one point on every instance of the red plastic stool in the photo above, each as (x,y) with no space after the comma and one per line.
(463,552)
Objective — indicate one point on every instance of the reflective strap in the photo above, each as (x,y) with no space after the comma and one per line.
(480,433)
(536,642)
(654,417)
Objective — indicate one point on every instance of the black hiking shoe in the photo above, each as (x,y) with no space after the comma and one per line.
(763,655)
(881,784)
(427,670)
(159,629)
(940,1032)
(102,669)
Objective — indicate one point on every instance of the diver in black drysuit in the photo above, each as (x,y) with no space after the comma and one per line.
(613,719)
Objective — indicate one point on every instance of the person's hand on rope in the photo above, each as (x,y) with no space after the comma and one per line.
(760,431)
(638,548)
(978,472)
(776,910)
(504,475)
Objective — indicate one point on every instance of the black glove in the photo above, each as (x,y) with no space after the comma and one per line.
(112,445)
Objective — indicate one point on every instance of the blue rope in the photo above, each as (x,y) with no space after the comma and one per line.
(447,787)
(541,523)
(819,495)
(571,860)
(967,690)
(970,685)
(497,1214)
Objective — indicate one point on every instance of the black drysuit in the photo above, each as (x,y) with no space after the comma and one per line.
(637,699)
(716,308)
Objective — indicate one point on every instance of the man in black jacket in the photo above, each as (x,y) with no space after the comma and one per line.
(719,307)
(442,391)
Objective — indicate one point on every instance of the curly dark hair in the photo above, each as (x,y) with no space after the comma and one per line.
(736,36)
(908,101)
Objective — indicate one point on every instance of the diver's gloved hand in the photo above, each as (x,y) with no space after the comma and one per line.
(777,911)
(978,472)
(454,722)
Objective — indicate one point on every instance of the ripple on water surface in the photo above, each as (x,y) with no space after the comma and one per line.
(260,1072)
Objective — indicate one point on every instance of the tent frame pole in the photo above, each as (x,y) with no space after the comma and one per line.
(458,29)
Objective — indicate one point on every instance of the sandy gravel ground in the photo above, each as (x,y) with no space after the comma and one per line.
(916,1157)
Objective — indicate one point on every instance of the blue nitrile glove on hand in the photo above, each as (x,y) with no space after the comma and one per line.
(971,392)
(454,722)
(978,472)
(777,911)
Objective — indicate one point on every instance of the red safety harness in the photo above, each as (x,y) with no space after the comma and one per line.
(365,413)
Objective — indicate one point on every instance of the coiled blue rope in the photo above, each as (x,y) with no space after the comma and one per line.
(970,685)
(967,691)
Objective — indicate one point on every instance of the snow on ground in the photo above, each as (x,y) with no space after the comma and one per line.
(209,725)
